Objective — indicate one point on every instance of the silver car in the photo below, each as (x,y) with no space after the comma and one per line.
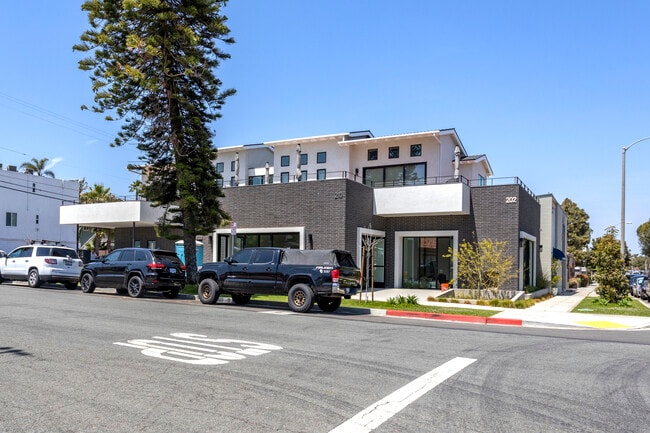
(38,264)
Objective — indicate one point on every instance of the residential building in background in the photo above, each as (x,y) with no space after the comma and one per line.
(29,208)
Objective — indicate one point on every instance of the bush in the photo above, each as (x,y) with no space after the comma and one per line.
(583,280)
(573,283)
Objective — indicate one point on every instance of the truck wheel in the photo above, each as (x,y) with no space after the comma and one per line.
(135,286)
(328,304)
(208,291)
(33,278)
(301,298)
(87,283)
(240,299)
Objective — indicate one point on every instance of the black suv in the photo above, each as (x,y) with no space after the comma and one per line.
(134,271)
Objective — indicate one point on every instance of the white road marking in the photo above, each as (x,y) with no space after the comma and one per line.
(381,411)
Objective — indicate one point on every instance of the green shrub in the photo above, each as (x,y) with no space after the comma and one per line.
(583,280)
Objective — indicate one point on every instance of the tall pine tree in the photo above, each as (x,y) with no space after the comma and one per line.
(153,64)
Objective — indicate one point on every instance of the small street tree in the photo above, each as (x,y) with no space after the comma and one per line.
(98,194)
(484,265)
(152,64)
(37,167)
(578,231)
(609,267)
(643,232)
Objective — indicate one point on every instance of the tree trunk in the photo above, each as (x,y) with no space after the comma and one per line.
(190,258)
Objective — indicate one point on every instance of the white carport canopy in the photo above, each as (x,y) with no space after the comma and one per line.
(121,214)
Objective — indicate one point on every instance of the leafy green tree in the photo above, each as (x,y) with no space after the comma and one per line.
(609,267)
(37,167)
(643,232)
(484,265)
(578,231)
(152,66)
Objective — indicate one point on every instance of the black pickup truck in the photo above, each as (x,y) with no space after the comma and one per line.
(305,276)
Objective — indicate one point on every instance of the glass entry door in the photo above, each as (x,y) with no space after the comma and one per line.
(425,262)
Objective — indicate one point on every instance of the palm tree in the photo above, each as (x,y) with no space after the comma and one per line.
(37,167)
(99,194)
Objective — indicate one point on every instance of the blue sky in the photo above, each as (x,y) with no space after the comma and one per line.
(551,91)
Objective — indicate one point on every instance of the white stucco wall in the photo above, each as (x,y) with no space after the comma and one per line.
(35,200)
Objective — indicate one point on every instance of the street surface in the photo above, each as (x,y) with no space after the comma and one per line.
(74,362)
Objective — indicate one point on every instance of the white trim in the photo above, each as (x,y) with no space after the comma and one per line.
(533,239)
(226,231)
(399,236)
(361,231)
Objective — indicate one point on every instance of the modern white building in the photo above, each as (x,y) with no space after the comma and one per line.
(553,240)
(30,206)
(416,195)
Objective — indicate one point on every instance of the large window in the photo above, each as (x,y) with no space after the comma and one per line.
(396,175)
(425,262)
(249,240)
(256,180)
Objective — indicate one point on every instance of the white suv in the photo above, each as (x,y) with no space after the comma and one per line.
(39,264)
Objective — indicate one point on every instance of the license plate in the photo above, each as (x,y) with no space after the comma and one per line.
(67,262)
(172,270)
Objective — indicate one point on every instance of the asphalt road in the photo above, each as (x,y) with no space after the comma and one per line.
(74,362)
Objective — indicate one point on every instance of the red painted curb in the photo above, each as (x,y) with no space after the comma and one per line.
(455,317)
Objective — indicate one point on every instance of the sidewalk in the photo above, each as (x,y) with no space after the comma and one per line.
(553,313)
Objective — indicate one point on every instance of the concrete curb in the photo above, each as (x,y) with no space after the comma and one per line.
(454,318)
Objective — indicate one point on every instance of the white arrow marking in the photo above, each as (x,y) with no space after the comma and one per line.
(378,413)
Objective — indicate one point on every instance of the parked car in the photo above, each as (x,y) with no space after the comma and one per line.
(305,276)
(135,271)
(42,263)
(639,287)
(633,278)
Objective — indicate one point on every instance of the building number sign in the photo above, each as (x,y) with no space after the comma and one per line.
(512,199)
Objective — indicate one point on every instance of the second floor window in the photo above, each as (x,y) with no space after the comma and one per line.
(219,167)
(304,159)
(372,154)
(284,161)
(12,219)
(393,152)
(232,165)
(416,150)
(321,157)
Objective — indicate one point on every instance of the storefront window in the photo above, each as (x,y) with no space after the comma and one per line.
(425,265)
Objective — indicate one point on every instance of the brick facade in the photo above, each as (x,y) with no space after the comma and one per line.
(331,211)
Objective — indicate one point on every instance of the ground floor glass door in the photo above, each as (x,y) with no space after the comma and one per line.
(426,262)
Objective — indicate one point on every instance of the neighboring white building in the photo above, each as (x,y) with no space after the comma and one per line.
(553,239)
(429,157)
(30,205)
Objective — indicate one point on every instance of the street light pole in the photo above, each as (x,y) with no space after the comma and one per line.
(623,193)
